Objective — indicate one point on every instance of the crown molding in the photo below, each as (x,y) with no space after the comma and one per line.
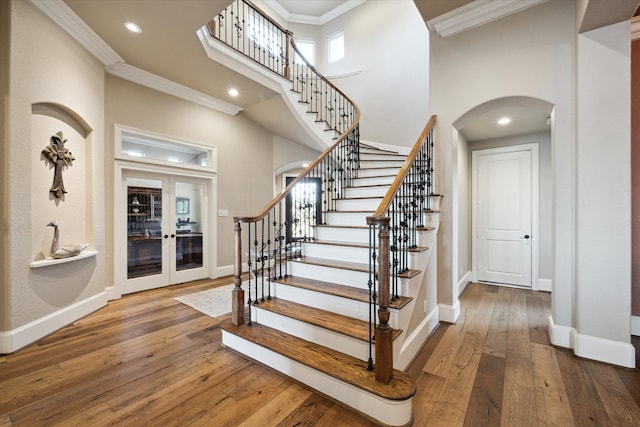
(312,20)
(635,28)
(68,20)
(475,14)
(153,81)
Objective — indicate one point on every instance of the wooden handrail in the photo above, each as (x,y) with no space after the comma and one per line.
(383,208)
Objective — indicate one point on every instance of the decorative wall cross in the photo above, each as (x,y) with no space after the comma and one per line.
(58,156)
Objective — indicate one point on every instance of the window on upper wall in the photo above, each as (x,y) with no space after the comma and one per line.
(308,49)
(336,47)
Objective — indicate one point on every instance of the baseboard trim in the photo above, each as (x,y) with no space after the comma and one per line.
(593,348)
(227,270)
(18,338)
(635,326)
(449,313)
(416,340)
(462,284)
(544,285)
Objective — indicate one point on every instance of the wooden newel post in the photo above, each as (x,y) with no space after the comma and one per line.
(237,295)
(383,334)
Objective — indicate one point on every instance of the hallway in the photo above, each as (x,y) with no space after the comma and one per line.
(149,360)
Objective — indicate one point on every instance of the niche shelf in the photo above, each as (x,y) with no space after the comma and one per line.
(55,261)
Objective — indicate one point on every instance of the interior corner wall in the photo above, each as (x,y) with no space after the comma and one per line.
(510,57)
(245,149)
(5,44)
(635,176)
(603,221)
(464,208)
(58,71)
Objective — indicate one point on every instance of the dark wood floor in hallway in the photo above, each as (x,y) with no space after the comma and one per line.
(147,360)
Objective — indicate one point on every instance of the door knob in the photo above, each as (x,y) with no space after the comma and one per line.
(173,235)
(166,236)
(526,236)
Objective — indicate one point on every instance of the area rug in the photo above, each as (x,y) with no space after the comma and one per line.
(212,302)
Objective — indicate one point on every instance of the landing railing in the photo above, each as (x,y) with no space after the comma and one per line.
(393,233)
(277,232)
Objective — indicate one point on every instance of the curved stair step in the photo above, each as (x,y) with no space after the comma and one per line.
(331,362)
(347,265)
(344,325)
(335,289)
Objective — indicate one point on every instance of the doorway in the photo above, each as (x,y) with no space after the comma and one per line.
(505,210)
(166,229)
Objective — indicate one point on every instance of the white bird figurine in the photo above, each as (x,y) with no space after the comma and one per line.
(68,250)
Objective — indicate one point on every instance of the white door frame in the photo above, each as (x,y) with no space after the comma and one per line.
(535,197)
(119,239)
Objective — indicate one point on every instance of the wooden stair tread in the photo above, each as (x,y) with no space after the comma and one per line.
(359,198)
(331,362)
(345,325)
(340,243)
(357,227)
(347,265)
(338,290)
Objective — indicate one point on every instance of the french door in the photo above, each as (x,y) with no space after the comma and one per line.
(166,229)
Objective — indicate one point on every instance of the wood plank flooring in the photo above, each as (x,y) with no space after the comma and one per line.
(147,360)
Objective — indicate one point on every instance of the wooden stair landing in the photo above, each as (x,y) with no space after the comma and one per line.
(330,362)
(348,326)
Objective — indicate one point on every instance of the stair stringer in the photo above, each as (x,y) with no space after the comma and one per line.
(227,56)
(410,342)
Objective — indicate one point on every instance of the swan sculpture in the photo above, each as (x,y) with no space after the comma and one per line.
(68,250)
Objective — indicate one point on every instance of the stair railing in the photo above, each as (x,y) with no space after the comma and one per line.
(395,225)
(276,233)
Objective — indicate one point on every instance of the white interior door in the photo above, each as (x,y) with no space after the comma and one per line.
(166,230)
(503,217)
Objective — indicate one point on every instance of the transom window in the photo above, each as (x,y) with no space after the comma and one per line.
(336,47)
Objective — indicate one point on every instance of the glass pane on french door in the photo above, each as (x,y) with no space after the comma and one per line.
(189,217)
(144,227)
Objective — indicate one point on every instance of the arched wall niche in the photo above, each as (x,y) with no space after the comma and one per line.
(74,209)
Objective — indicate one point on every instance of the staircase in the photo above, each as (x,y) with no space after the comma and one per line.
(314,322)
(346,301)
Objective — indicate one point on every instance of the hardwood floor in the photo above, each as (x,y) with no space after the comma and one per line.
(147,360)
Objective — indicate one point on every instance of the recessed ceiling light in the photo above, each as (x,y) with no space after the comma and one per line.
(304,165)
(233,92)
(134,28)
(504,121)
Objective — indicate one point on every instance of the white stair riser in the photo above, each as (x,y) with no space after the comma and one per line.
(376,191)
(363,173)
(395,413)
(365,164)
(356,279)
(348,218)
(325,337)
(344,306)
(358,204)
(343,234)
(373,180)
(336,252)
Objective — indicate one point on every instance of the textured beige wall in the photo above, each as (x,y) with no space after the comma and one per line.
(635,176)
(244,149)
(5,294)
(47,66)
